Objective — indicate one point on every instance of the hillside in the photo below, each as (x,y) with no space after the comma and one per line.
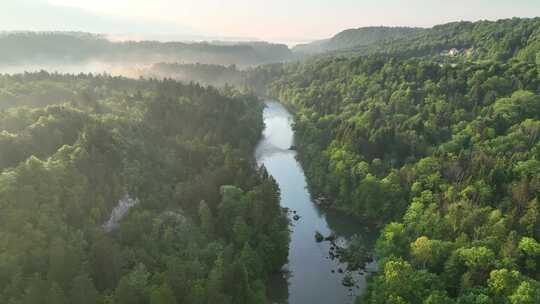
(501,39)
(442,157)
(125,191)
(352,38)
(28,48)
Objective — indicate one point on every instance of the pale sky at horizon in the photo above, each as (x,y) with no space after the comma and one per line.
(276,20)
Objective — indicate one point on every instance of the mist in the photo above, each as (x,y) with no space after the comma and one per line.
(394,158)
(91,67)
(76,48)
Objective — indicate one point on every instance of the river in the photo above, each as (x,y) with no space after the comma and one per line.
(312,277)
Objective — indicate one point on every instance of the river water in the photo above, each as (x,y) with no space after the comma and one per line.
(311,276)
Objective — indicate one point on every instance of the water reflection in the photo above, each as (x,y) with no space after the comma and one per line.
(313,277)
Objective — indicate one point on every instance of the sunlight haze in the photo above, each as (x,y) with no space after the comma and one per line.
(278,20)
(269,152)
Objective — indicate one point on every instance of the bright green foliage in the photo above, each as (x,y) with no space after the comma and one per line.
(442,153)
(498,40)
(526,293)
(430,254)
(86,142)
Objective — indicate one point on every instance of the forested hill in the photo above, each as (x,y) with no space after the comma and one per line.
(208,74)
(353,38)
(72,48)
(254,79)
(502,40)
(444,157)
(205,225)
(499,40)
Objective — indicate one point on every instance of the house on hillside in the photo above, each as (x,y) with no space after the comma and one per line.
(453,52)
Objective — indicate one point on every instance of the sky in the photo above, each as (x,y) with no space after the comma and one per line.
(271,20)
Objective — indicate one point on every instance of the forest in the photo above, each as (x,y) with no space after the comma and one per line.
(205,224)
(146,190)
(443,157)
(34,48)
(495,40)
(206,74)
(354,38)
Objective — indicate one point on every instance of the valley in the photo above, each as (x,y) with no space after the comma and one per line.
(381,165)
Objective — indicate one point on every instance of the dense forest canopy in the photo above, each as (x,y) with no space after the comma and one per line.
(499,40)
(209,74)
(440,151)
(430,135)
(253,79)
(205,225)
(74,48)
(353,38)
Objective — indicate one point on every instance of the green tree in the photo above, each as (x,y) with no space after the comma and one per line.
(162,295)
(83,291)
(526,293)
(205,216)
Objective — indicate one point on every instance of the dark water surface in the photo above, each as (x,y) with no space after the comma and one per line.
(309,278)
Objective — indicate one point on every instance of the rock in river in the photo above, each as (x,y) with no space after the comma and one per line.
(319,237)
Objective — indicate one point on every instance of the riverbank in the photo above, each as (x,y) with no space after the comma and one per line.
(312,275)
